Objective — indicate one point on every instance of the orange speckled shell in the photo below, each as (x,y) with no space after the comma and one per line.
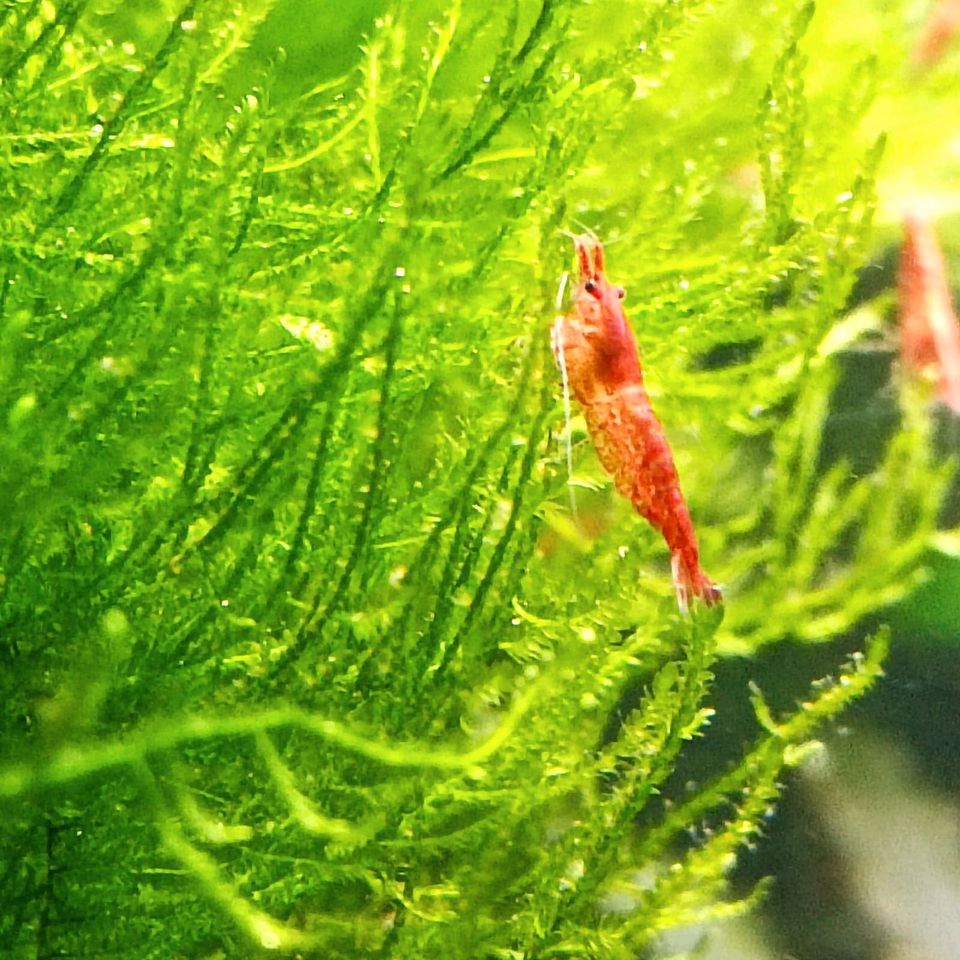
(633,449)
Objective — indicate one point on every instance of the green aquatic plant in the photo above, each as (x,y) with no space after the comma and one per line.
(301,648)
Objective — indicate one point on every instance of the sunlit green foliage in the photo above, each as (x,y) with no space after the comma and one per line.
(301,648)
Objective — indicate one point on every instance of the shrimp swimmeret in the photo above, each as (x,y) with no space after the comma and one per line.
(596,347)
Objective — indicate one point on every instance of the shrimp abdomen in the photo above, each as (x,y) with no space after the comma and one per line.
(633,449)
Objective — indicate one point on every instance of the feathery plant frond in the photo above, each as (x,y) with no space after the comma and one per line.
(300,648)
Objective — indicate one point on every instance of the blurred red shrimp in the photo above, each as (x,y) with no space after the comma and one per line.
(929,331)
(596,349)
(938,31)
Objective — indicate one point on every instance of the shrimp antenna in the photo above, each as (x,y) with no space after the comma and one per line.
(617,238)
(587,230)
(562,363)
(577,239)
(591,235)
(560,291)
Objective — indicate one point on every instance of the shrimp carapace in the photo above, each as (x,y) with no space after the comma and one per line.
(595,344)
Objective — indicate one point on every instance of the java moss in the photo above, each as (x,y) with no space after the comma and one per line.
(301,649)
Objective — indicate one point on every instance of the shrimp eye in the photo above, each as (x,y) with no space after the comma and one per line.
(591,287)
(620,292)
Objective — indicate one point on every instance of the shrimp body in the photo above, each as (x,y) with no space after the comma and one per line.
(940,29)
(929,331)
(596,345)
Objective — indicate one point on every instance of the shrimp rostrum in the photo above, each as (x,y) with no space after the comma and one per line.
(594,344)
